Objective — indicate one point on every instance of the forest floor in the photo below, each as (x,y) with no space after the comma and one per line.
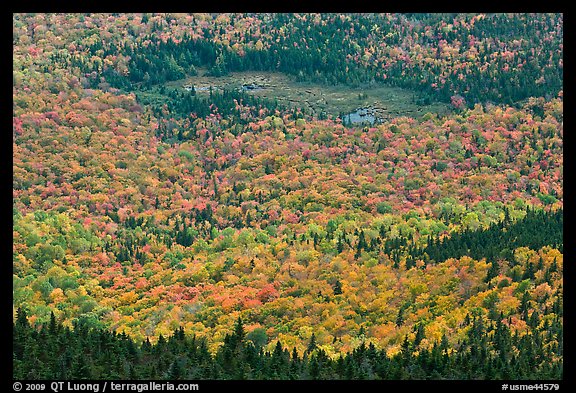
(384,101)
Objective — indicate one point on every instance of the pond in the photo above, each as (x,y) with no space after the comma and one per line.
(362,115)
(252,87)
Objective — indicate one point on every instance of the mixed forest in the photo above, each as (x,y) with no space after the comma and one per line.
(164,233)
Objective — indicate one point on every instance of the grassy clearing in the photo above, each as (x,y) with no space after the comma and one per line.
(388,102)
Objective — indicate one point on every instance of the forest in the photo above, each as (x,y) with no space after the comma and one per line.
(84,353)
(164,233)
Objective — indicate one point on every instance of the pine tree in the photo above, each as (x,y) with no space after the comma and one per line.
(492,272)
(419,335)
(337,288)
(340,245)
(21,318)
(529,272)
(176,370)
(312,344)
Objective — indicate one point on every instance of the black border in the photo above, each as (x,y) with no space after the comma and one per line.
(332,6)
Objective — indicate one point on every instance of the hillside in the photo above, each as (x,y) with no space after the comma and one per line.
(146,209)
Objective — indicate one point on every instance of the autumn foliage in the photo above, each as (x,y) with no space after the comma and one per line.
(142,218)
